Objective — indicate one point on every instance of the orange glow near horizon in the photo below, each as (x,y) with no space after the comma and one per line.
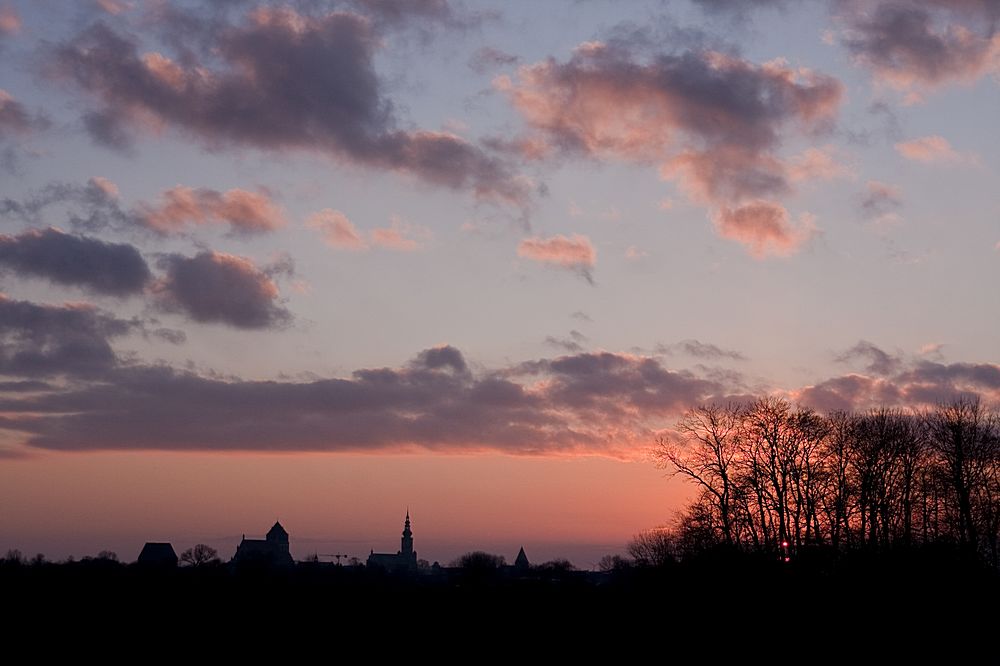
(563,507)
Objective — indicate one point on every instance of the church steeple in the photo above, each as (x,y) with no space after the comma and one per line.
(406,543)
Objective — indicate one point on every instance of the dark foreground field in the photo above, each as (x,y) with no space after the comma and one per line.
(921,603)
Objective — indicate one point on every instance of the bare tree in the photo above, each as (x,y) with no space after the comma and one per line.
(201,555)
(963,438)
(706,455)
(652,548)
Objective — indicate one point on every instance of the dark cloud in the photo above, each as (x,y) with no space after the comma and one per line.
(16,124)
(214,287)
(96,206)
(698,349)
(879,199)
(410,13)
(171,335)
(848,393)
(879,362)
(91,207)
(921,384)
(580,315)
(106,129)
(71,340)
(898,380)
(488,58)
(982,375)
(594,403)
(602,402)
(275,80)
(918,45)
(890,122)
(113,269)
(15,119)
(438,358)
(574,343)
(25,386)
(739,8)
(616,386)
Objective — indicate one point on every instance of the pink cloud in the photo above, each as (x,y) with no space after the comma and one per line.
(916,46)
(244,212)
(676,110)
(575,253)
(929,149)
(114,7)
(400,236)
(10,21)
(764,228)
(109,188)
(817,164)
(337,231)
(632,253)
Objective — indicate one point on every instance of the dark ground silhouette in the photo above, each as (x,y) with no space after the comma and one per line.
(893,602)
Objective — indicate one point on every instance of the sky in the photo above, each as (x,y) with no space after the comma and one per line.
(325,261)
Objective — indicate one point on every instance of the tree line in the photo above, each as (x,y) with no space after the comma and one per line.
(782,480)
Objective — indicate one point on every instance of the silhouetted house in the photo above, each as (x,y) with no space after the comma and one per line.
(521,562)
(403,561)
(157,554)
(272,550)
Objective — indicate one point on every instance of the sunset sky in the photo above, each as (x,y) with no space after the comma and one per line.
(322,261)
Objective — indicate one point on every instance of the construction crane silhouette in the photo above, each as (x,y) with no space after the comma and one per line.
(335,555)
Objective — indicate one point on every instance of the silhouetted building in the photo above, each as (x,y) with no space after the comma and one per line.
(403,561)
(521,562)
(157,554)
(271,550)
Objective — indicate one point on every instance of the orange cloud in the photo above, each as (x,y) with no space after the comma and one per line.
(817,164)
(114,7)
(399,236)
(929,149)
(574,253)
(10,21)
(106,186)
(337,231)
(245,212)
(764,228)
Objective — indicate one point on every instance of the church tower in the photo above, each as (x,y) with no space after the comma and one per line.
(406,543)
(278,537)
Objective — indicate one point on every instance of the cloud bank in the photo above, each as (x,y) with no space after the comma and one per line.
(274,80)
(711,121)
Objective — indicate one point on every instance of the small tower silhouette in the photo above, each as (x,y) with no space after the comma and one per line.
(521,563)
(406,543)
